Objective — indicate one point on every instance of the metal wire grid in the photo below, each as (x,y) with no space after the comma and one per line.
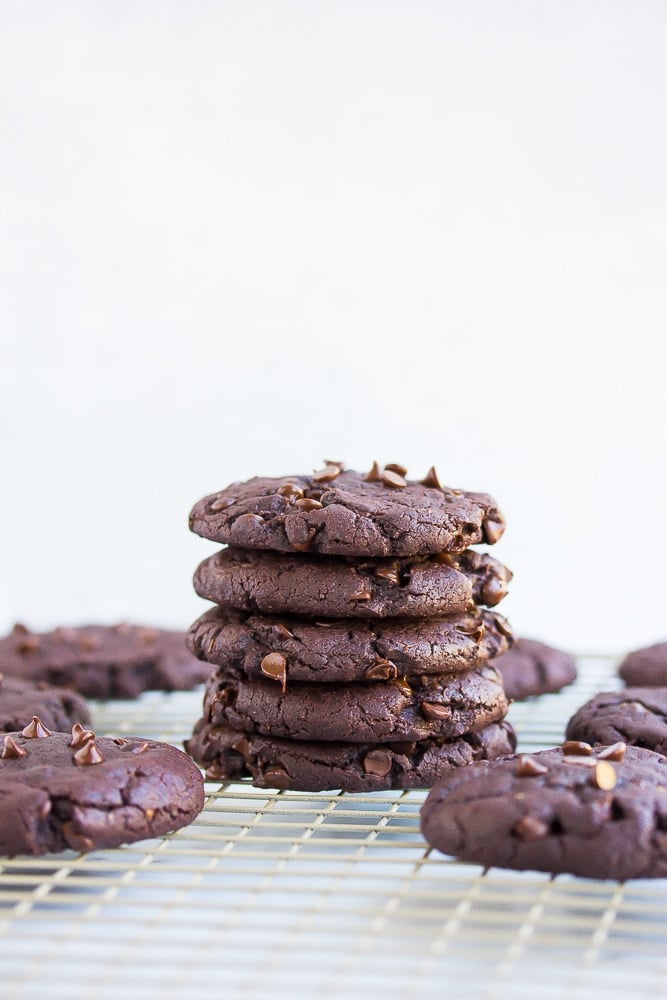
(277,894)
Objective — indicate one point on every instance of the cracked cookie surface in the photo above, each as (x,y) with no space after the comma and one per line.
(78,791)
(343,651)
(340,512)
(596,813)
(331,587)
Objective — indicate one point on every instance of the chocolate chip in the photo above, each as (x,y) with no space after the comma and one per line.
(406,747)
(28,644)
(282,631)
(474,630)
(35,730)
(579,760)
(304,544)
(504,627)
(393,479)
(614,752)
(361,595)
(604,776)
(400,470)
(530,828)
(220,504)
(87,755)
(66,634)
(89,643)
(404,685)
(75,840)
(242,746)
(20,629)
(331,461)
(326,474)
(141,748)
(80,736)
(277,776)
(274,665)
(389,573)
(528,767)
(306,504)
(11,749)
(149,814)
(377,762)
(120,742)
(431,479)
(290,491)
(492,530)
(381,670)
(493,590)
(434,711)
(576,747)
(374,475)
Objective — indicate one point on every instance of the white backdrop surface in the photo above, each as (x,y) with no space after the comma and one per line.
(240,236)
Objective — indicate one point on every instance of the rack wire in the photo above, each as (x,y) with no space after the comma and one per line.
(282,894)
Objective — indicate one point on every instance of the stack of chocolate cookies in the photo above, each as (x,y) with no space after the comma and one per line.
(351,639)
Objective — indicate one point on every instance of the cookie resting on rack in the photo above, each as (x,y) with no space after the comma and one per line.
(56,707)
(230,755)
(635,715)
(646,667)
(531,668)
(76,791)
(102,661)
(597,813)
(339,512)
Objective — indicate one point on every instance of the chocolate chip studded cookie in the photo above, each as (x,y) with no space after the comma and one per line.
(446,706)
(337,512)
(230,755)
(337,588)
(646,667)
(57,707)
(75,790)
(299,649)
(532,668)
(636,715)
(99,661)
(595,813)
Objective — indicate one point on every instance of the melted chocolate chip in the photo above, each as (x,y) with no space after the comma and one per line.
(307,503)
(577,747)
(530,828)
(274,665)
(604,776)
(493,530)
(381,670)
(528,767)
(390,573)
(222,503)
(290,491)
(377,762)
(434,711)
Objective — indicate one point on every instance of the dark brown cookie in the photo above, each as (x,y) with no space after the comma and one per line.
(593,815)
(56,707)
(62,790)
(336,588)
(99,661)
(354,767)
(446,706)
(532,668)
(342,651)
(636,715)
(349,514)
(646,667)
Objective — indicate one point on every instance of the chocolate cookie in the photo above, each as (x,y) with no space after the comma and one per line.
(532,668)
(341,651)
(646,667)
(446,706)
(635,715)
(354,767)
(348,514)
(594,815)
(98,661)
(62,790)
(56,707)
(335,588)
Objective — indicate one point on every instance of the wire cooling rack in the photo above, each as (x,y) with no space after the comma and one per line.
(281,894)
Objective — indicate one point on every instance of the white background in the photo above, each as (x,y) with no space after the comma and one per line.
(238,237)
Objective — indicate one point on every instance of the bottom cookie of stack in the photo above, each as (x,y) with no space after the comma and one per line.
(309,766)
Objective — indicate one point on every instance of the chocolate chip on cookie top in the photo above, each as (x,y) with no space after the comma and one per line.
(76,790)
(597,812)
(339,512)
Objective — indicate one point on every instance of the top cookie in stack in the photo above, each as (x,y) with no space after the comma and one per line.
(374,674)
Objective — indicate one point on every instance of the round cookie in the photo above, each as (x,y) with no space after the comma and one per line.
(335,588)
(646,667)
(99,661)
(337,512)
(446,706)
(636,715)
(353,767)
(341,651)
(533,668)
(56,707)
(593,817)
(62,790)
